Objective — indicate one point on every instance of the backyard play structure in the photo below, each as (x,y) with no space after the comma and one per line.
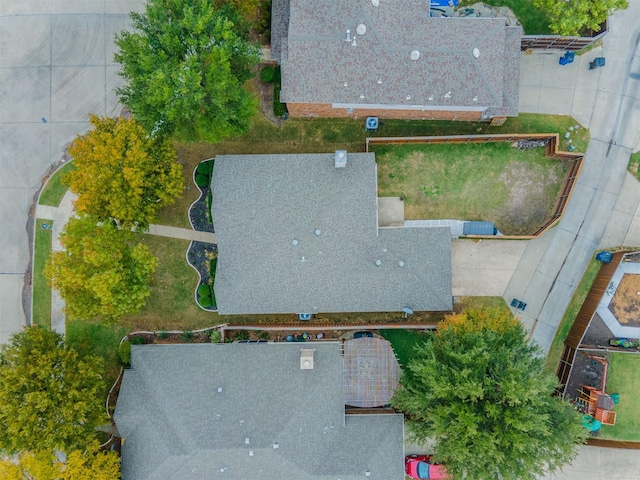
(592,399)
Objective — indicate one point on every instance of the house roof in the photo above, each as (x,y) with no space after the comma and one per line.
(320,66)
(297,235)
(176,424)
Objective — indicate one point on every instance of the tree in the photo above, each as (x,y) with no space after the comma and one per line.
(122,173)
(87,464)
(479,390)
(101,271)
(186,62)
(50,398)
(575,17)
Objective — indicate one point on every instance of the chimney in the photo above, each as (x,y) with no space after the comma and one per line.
(306,358)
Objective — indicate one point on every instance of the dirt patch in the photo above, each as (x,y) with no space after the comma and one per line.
(528,202)
(625,304)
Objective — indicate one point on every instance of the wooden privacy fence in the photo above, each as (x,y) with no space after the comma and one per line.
(581,323)
(557,42)
(574,161)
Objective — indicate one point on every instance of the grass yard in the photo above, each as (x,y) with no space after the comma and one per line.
(570,314)
(94,338)
(54,190)
(496,182)
(404,343)
(634,165)
(320,135)
(534,20)
(41,313)
(624,378)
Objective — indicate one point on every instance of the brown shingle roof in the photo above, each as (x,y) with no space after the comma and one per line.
(319,66)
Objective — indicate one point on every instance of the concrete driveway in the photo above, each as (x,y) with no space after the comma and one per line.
(56,66)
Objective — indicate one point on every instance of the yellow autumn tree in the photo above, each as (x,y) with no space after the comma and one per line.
(102,271)
(88,464)
(122,173)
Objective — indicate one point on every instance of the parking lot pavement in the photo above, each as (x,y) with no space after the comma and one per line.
(56,67)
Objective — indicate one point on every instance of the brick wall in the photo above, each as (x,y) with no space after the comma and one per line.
(326,110)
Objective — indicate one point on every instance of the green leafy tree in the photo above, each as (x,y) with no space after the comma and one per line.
(86,464)
(479,390)
(50,398)
(576,17)
(186,62)
(101,271)
(122,173)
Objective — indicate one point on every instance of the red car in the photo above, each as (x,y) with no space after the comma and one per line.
(420,466)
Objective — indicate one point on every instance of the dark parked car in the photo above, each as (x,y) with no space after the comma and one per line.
(420,466)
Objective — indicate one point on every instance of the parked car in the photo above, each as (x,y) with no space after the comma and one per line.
(420,466)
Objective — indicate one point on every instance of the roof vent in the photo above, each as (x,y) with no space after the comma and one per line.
(276,445)
(375,3)
(317,232)
(306,358)
(340,158)
(219,389)
(378,263)
(400,263)
(361,29)
(447,95)
(414,55)
(476,53)
(347,36)
(379,81)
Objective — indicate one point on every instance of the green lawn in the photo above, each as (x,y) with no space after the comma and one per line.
(41,314)
(54,190)
(582,290)
(490,181)
(534,20)
(624,378)
(634,165)
(93,338)
(404,342)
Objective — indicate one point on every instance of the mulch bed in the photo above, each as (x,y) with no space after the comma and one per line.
(198,213)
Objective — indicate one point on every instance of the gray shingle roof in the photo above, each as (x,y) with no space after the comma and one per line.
(319,66)
(266,211)
(176,425)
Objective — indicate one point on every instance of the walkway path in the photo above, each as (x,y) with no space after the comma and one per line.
(60,216)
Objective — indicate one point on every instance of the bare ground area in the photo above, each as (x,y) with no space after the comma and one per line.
(625,304)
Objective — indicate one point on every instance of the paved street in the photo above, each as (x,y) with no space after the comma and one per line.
(56,66)
(606,200)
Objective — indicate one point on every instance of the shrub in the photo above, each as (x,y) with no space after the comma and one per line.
(124,353)
(264,335)
(204,168)
(242,335)
(215,336)
(186,336)
(205,302)
(212,268)
(267,74)
(204,290)
(279,108)
(163,334)
(202,180)
(137,340)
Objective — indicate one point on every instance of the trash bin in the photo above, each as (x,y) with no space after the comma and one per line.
(597,63)
(567,58)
